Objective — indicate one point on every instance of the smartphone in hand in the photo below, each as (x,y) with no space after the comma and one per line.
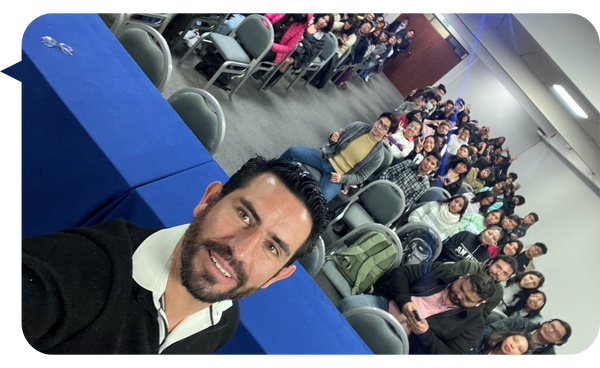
(417,315)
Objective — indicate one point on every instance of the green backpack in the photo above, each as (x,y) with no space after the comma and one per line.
(363,263)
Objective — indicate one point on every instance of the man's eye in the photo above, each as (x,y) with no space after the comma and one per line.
(273,249)
(244,216)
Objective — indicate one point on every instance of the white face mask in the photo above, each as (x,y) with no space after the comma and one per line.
(428,106)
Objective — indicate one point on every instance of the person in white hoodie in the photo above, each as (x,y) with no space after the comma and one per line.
(443,216)
(401,142)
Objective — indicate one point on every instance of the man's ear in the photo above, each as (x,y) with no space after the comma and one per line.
(283,274)
(480,303)
(210,195)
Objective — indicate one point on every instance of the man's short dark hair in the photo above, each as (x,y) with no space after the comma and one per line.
(444,123)
(483,284)
(521,200)
(442,87)
(393,121)
(298,181)
(449,102)
(567,329)
(535,216)
(514,176)
(413,31)
(543,246)
(436,155)
(515,218)
(495,227)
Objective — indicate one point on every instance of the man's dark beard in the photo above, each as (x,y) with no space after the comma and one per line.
(199,284)
(452,296)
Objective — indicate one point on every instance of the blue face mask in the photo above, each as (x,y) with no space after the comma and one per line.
(428,106)
(402,24)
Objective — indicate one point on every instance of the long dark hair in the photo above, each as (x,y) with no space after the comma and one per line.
(354,24)
(519,246)
(479,196)
(329,25)
(494,340)
(466,203)
(436,146)
(521,303)
(518,277)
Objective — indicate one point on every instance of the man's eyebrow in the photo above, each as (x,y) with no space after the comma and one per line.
(250,209)
(283,245)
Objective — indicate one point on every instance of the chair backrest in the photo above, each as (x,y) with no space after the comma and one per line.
(254,37)
(113,20)
(344,56)
(387,161)
(434,194)
(373,327)
(383,200)
(329,48)
(464,188)
(140,42)
(313,261)
(203,114)
(467,187)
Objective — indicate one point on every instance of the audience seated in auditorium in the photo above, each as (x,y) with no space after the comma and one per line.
(506,343)
(353,153)
(357,56)
(475,223)
(451,175)
(527,303)
(499,189)
(525,258)
(442,215)
(398,25)
(500,268)
(528,221)
(378,45)
(288,29)
(407,106)
(313,41)
(457,140)
(462,152)
(511,248)
(401,142)
(522,280)
(440,130)
(444,111)
(545,336)
(480,202)
(432,101)
(412,178)
(449,306)
(476,177)
(403,42)
(422,148)
(466,245)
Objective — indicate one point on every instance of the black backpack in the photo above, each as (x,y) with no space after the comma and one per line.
(208,66)
(418,247)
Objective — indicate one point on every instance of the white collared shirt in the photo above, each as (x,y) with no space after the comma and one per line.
(151,264)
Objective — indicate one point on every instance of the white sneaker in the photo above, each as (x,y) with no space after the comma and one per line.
(367,78)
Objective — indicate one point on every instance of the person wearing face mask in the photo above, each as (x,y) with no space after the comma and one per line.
(401,142)
(432,101)
(399,26)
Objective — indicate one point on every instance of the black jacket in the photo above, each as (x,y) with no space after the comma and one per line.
(520,324)
(464,245)
(79,296)
(451,332)
(360,48)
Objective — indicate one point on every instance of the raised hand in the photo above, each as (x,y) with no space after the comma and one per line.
(335,135)
(419,145)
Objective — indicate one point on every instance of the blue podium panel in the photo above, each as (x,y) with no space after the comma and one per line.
(293,316)
(94,126)
(166,202)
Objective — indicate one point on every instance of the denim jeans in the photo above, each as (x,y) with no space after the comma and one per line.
(310,156)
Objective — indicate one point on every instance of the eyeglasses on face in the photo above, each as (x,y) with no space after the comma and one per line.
(381,125)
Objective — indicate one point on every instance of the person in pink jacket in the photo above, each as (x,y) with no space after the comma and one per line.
(287,30)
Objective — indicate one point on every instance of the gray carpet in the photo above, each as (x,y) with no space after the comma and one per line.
(269,122)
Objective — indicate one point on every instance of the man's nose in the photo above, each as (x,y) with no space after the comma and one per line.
(244,244)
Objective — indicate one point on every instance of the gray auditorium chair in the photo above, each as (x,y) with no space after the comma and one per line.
(330,269)
(313,261)
(329,49)
(270,67)
(203,114)
(160,24)
(242,49)
(380,201)
(140,41)
(208,23)
(464,188)
(113,20)
(433,194)
(379,330)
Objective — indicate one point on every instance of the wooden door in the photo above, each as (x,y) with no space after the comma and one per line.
(428,58)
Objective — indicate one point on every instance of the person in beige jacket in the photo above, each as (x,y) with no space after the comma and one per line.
(476,178)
